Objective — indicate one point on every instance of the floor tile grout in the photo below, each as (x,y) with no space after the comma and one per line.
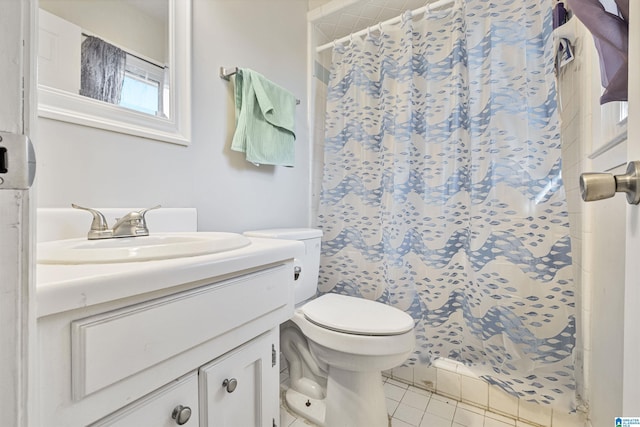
(444,409)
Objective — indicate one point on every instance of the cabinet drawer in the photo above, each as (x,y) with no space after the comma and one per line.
(158,408)
(112,346)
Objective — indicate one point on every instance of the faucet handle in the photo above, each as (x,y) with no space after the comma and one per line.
(132,224)
(99,228)
(143,212)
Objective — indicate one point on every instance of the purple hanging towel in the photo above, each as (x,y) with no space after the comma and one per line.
(611,36)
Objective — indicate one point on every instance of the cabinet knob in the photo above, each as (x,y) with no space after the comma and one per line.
(230,384)
(181,414)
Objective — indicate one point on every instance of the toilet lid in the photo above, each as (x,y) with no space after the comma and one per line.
(356,316)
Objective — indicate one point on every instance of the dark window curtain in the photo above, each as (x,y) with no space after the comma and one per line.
(102,72)
(611,36)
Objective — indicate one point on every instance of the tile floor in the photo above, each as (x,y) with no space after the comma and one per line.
(413,407)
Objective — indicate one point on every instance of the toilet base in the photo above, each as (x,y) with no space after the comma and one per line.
(354,399)
(310,409)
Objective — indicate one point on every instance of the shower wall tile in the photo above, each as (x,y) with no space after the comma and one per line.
(321,72)
(497,420)
(448,383)
(575,225)
(572,138)
(475,391)
(576,128)
(501,402)
(448,364)
(403,373)
(324,58)
(317,163)
(425,377)
(465,371)
(584,389)
(534,413)
(568,420)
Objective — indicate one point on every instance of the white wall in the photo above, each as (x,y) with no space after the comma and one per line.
(269,37)
(92,167)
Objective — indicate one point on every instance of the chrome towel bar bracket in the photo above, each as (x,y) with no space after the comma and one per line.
(226,73)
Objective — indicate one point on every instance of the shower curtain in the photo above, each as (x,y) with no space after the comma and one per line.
(442,192)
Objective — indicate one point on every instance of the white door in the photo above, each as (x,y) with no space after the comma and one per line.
(631,374)
(17,317)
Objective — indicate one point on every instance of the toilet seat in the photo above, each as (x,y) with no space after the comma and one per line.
(356,316)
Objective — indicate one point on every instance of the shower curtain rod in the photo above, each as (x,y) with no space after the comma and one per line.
(426,8)
(135,55)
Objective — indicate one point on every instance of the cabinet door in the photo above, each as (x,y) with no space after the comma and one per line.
(166,407)
(241,388)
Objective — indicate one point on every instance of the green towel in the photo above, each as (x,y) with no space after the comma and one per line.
(265,120)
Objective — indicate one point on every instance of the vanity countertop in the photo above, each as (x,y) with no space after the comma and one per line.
(67,287)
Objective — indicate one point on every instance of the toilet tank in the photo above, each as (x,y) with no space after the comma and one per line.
(307,283)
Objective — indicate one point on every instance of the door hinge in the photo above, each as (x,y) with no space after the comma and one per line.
(273,355)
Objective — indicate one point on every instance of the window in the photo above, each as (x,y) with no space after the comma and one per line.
(143,87)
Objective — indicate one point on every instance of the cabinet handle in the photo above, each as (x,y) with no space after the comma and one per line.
(181,414)
(230,384)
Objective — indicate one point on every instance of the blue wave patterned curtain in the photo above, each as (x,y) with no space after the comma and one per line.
(442,191)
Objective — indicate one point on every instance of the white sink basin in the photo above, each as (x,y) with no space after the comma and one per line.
(129,249)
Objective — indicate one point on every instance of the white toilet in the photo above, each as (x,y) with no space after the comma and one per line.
(336,346)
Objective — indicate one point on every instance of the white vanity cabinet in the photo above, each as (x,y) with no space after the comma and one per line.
(138,360)
(237,389)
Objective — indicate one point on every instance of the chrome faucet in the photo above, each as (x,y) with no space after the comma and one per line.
(132,224)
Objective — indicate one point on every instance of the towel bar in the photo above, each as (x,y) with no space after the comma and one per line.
(226,73)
